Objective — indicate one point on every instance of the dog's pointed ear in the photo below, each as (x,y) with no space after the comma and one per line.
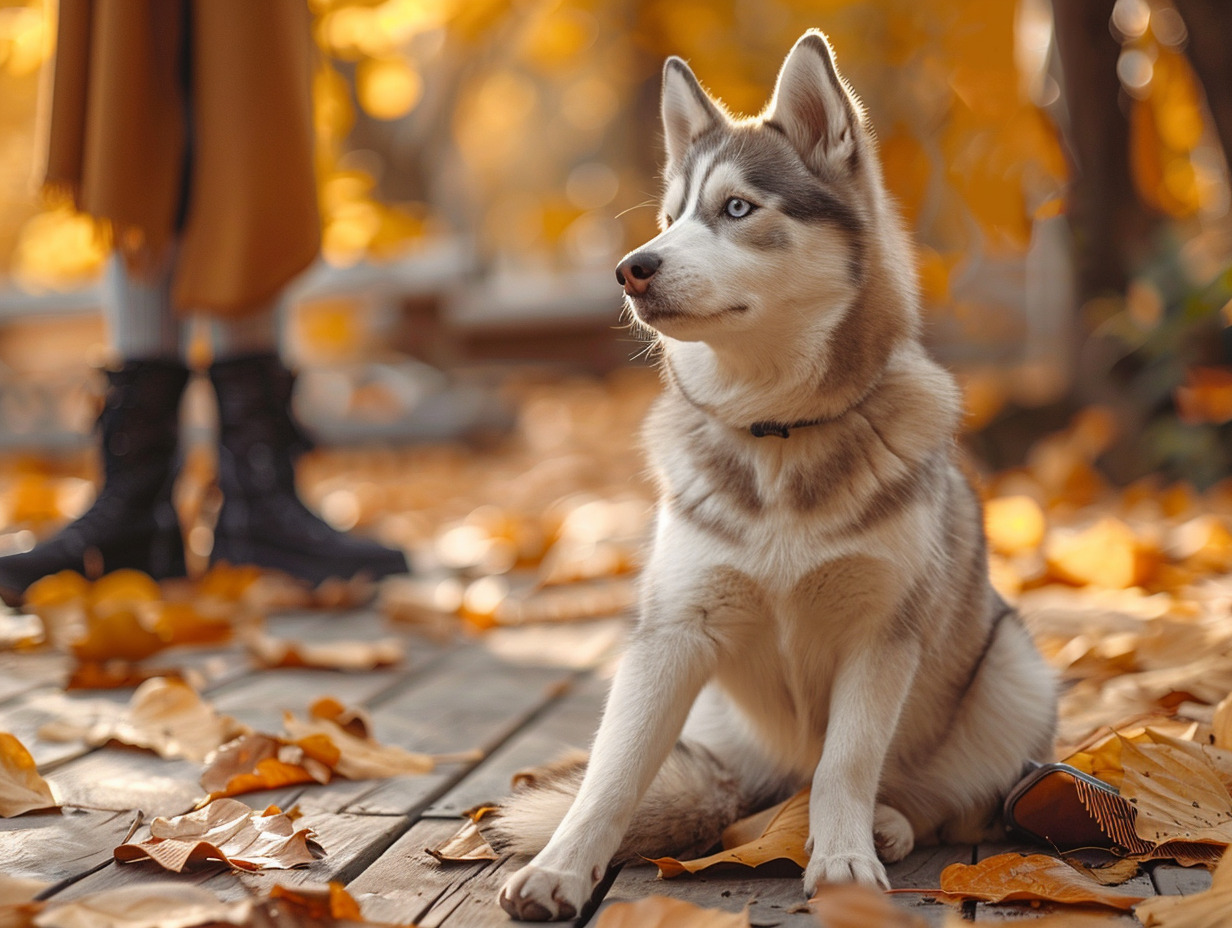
(813,105)
(687,110)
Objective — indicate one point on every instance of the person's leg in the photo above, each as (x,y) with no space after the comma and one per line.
(132,522)
(262,520)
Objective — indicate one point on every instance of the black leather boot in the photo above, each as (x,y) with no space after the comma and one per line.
(262,520)
(132,522)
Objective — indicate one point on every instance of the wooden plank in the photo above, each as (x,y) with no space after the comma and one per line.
(24,716)
(55,846)
(1139,885)
(408,885)
(470,700)
(124,779)
(259,699)
(23,671)
(567,724)
(1174,880)
(404,882)
(921,869)
(773,896)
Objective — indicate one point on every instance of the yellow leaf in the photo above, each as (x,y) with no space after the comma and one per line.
(258,761)
(1033,878)
(1015,524)
(1207,909)
(662,912)
(318,902)
(21,787)
(226,830)
(782,839)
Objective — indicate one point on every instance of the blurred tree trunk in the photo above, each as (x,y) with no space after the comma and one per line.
(1108,219)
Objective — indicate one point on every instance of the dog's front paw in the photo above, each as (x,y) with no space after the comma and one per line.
(844,868)
(537,894)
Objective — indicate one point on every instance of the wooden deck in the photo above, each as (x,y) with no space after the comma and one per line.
(519,695)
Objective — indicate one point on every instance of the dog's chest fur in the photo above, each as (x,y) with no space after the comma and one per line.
(788,552)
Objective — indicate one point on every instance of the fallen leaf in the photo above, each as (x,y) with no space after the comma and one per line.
(258,761)
(1108,554)
(333,655)
(165,716)
(464,846)
(1102,867)
(229,831)
(848,905)
(782,839)
(15,890)
(312,901)
(1014,524)
(1031,878)
(1221,724)
(21,787)
(1207,909)
(362,758)
(1177,794)
(663,912)
(148,905)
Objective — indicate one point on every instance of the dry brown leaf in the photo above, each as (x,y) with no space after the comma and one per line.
(782,839)
(165,716)
(147,905)
(663,912)
(333,655)
(1033,878)
(1102,867)
(848,905)
(1177,793)
(319,902)
(257,761)
(467,844)
(21,787)
(1221,724)
(15,890)
(229,831)
(1207,909)
(365,758)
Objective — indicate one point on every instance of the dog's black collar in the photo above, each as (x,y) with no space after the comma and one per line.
(782,430)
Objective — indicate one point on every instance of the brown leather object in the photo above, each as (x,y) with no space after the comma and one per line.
(1046,806)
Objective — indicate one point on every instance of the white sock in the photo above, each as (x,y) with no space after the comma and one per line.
(137,307)
(253,333)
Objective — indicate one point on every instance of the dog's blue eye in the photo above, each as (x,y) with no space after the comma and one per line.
(737,208)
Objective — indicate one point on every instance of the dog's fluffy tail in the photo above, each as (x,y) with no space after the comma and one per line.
(689,803)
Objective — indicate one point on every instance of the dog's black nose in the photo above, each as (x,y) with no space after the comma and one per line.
(635,271)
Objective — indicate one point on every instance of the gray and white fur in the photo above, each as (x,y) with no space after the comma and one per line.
(815,609)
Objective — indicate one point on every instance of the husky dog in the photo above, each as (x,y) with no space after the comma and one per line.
(816,609)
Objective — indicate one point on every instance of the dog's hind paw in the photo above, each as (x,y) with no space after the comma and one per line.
(536,894)
(892,834)
(844,868)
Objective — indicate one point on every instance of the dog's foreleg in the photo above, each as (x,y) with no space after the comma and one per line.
(869,691)
(657,682)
